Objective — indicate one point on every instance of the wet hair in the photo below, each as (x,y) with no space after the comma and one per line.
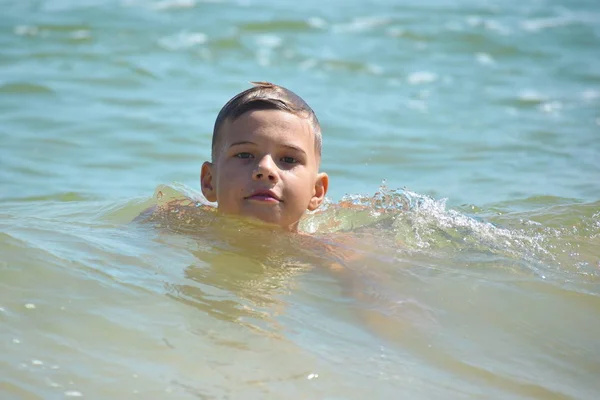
(266,96)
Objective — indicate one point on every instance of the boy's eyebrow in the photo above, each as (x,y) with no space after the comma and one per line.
(239,143)
(298,149)
(289,146)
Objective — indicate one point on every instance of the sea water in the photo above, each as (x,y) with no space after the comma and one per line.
(462,143)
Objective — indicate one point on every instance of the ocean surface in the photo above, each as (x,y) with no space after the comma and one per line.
(458,254)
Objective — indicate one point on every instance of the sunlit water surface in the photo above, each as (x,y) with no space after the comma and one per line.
(481,279)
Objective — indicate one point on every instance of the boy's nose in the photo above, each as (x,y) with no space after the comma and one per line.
(265,169)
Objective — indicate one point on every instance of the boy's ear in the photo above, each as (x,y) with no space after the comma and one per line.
(321,185)
(206,182)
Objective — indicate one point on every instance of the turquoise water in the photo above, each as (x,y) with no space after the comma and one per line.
(479,264)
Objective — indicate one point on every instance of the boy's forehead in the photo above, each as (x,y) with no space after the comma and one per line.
(275,124)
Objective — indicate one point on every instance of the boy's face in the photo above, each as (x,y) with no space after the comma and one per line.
(265,166)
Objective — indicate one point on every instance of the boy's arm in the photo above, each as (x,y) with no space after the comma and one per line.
(370,309)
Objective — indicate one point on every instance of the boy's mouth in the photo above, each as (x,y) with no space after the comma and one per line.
(264,196)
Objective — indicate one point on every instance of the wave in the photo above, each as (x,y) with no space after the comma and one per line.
(544,236)
(543,233)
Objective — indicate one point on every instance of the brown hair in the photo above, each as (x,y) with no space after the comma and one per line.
(266,96)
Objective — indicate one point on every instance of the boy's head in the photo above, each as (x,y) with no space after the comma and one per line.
(266,151)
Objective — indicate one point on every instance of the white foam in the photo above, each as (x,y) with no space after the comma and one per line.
(530,95)
(473,20)
(484,59)
(73,393)
(183,40)
(26,30)
(375,69)
(590,94)
(51,383)
(536,25)
(174,4)
(81,34)
(30,306)
(269,41)
(361,24)
(497,27)
(420,77)
(317,22)
(395,32)
(551,107)
(488,24)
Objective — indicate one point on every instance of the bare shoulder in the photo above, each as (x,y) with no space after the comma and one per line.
(175,211)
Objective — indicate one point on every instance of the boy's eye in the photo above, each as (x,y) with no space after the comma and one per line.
(289,160)
(243,155)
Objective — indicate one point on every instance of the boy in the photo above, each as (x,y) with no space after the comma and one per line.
(265,158)
(266,152)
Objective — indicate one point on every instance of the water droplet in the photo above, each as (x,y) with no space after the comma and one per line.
(312,376)
(73,393)
(30,306)
(37,362)
(16,341)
